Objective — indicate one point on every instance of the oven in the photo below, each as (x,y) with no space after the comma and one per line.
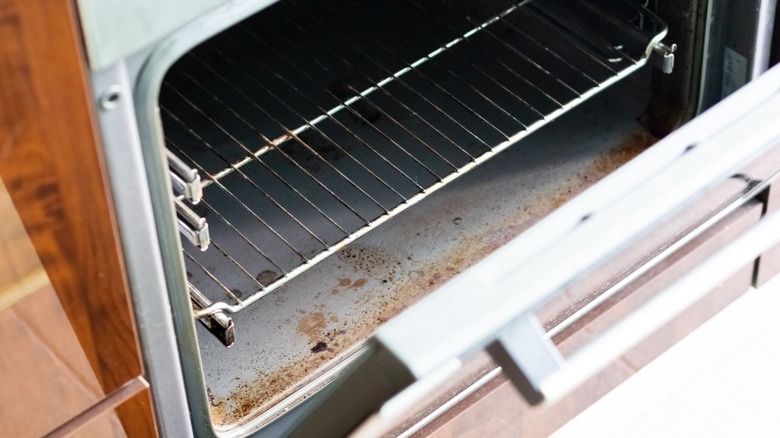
(328,205)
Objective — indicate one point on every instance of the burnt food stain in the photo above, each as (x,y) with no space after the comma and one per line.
(319,348)
(362,111)
(360,282)
(312,326)
(266,277)
(325,151)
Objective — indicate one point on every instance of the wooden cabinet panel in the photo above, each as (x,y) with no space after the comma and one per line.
(137,416)
(47,378)
(769,263)
(38,391)
(765,167)
(70,352)
(51,165)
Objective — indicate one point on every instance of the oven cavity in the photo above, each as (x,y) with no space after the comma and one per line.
(311,124)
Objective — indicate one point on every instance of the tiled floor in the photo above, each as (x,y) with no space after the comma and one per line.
(723,380)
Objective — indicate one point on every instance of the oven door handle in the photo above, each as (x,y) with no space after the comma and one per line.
(379,388)
(536,368)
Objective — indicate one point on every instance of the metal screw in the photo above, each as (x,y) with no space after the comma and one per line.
(110,98)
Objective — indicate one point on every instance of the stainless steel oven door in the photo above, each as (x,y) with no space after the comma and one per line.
(491,306)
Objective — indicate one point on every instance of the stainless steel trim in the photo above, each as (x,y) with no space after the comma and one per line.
(146,88)
(146,275)
(765,23)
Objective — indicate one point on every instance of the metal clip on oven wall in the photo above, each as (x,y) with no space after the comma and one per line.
(184,179)
(219,324)
(663,57)
(192,226)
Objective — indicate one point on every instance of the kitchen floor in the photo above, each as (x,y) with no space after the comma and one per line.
(47,356)
(720,381)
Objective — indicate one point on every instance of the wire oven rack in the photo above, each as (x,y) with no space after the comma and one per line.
(314,122)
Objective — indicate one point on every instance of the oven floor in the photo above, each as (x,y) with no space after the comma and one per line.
(288,342)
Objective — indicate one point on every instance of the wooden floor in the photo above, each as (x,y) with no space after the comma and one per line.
(21,272)
(723,380)
(46,377)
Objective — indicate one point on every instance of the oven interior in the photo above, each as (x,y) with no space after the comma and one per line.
(293,135)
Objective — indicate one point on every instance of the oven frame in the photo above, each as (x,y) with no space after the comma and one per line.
(126,93)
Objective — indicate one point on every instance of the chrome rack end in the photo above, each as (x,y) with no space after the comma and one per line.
(192,226)
(663,57)
(219,324)
(185,180)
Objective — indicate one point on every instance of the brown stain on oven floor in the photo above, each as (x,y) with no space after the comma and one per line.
(608,162)
(312,325)
(269,388)
(360,282)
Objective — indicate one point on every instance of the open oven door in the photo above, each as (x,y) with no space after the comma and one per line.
(492,305)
